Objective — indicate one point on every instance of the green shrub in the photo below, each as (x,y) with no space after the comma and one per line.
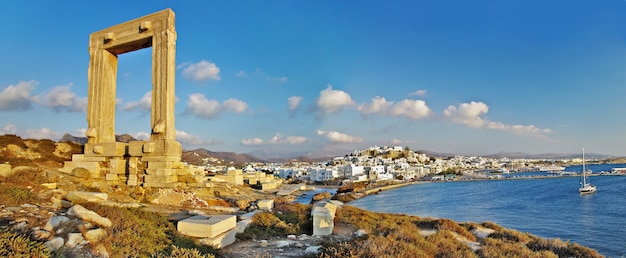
(135,232)
(183,253)
(498,247)
(18,245)
(14,196)
(562,249)
(265,225)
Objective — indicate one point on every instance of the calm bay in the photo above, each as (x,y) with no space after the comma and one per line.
(549,207)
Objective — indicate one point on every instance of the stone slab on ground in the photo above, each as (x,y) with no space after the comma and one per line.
(266,205)
(207,226)
(74,196)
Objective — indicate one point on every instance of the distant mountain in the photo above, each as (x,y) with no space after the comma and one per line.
(521,155)
(436,154)
(287,155)
(82,140)
(198,157)
(74,139)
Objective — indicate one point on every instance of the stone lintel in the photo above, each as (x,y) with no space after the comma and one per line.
(135,34)
(106,149)
(156,148)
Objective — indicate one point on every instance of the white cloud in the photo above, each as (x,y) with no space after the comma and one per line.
(519,129)
(8,129)
(396,141)
(469,114)
(198,105)
(332,101)
(17,97)
(294,102)
(241,73)
(379,105)
(418,93)
(282,79)
(144,104)
(411,109)
(142,136)
(41,133)
(235,105)
(201,71)
(337,137)
(253,141)
(192,140)
(277,139)
(61,98)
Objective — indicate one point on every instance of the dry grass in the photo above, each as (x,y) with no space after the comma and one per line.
(134,227)
(399,236)
(18,245)
(21,187)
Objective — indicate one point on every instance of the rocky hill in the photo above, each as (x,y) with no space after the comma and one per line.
(201,157)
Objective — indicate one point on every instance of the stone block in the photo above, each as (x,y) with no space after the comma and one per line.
(163,185)
(207,226)
(156,149)
(5,170)
(74,196)
(222,240)
(266,205)
(111,177)
(160,179)
(323,216)
(106,149)
(118,166)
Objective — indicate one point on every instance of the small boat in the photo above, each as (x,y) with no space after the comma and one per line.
(585,188)
(551,168)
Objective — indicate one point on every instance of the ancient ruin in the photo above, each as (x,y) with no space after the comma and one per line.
(155,162)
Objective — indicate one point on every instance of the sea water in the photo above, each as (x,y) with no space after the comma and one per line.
(548,208)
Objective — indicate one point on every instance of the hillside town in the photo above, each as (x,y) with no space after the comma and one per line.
(383,163)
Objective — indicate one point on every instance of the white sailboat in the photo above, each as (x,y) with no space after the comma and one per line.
(586,188)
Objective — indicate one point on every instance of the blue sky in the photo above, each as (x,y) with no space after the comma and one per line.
(468,77)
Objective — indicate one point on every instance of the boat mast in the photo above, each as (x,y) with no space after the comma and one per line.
(584,175)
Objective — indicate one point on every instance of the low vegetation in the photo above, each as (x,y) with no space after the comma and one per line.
(287,219)
(14,244)
(134,227)
(22,187)
(400,236)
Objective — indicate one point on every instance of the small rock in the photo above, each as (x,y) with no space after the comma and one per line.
(20,220)
(40,234)
(54,243)
(313,249)
(360,233)
(66,204)
(54,222)
(49,185)
(73,239)
(27,205)
(91,216)
(291,237)
(263,243)
(196,212)
(95,235)
(20,226)
(101,251)
(282,243)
